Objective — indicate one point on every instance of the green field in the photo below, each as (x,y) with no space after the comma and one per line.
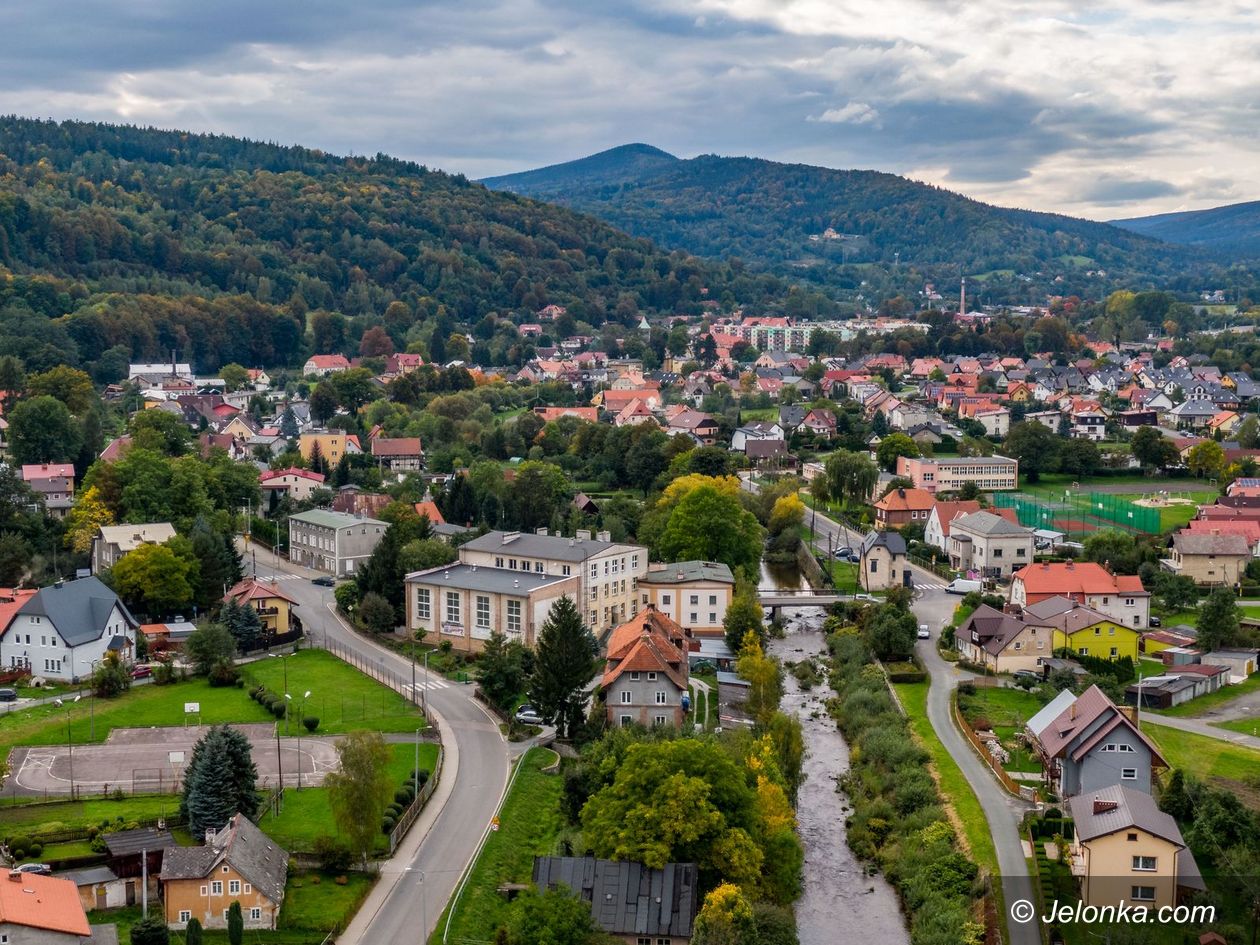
(530,825)
(1007,711)
(1053,487)
(1206,758)
(342,698)
(955,790)
(34,818)
(306,814)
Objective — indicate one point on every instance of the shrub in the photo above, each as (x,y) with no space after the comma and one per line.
(98,844)
(341,880)
(278,709)
(404,796)
(223,673)
(387,824)
(310,723)
(36,849)
(981,724)
(334,854)
(421,777)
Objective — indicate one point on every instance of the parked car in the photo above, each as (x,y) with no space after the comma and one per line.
(43,869)
(141,671)
(924,632)
(8,695)
(528,715)
(1026,674)
(844,552)
(1155,622)
(324,581)
(871,598)
(963,586)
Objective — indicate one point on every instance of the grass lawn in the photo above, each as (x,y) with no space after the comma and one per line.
(1008,711)
(1206,758)
(530,823)
(63,851)
(759,413)
(306,815)
(59,816)
(1214,700)
(342,697)
(955,790)
(314,901)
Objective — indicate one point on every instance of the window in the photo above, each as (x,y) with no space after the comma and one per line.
(234,887)
(693,618)
(184,916)
(1143,894)
(651,677)
(625,697)
(255,914)
(635,676)
(626,720)
(216,888)
(634,562)
(452,608)
(1132,838)
(424,603)
(874,566)
(514,616)
(1111,631)
(695,600)
(712,616)
(661,697)
(511,564)
(660,720)
(204,890)
(1128,774)
(1114,652)
(1019,552)
(566,570)
(1146,864)
(595,570)
(997,552)
(1128,602)
(483,611)
(1083,650)
(538,567)
(498,562)
(248,889)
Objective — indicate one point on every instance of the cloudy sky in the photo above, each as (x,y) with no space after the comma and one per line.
(1101,109)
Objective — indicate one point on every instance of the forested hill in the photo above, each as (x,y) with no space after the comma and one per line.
(133,241)
(1235,227)
(627,163)
(767,211)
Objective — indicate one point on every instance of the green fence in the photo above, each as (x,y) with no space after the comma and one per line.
(1032,513)
(1124,512)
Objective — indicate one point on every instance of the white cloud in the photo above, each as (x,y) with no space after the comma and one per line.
(854,113)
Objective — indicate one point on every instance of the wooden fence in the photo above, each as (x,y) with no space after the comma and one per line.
(1007,781)
(416,806)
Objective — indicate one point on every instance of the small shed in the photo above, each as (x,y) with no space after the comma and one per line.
(732,690)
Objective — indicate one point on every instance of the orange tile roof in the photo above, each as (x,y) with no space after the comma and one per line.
(429,507)
(648,642)
(42,902)
(10,602)
(946,512)
(906,500)
(252,589)
(1081,577)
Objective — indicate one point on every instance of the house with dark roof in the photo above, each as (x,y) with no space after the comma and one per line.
(62,630)
(646,675)
(989,544)
(629,901)
(883,562)
(1126,850)
(237,863)
(1087,743)
(1209,558)
(692,593)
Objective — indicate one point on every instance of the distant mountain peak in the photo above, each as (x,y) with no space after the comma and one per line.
(623,163)
(1236,226)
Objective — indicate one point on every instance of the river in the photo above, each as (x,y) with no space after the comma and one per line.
(841,902)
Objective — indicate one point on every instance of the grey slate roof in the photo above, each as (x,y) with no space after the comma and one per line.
(556,547)
(78,609)
(986,523)
(627,898)
(1126,808)
(241,845)
(329,519)
(124,842)
(890,540)
(685,571)
(470,577)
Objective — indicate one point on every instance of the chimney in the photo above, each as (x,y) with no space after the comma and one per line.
(583,534)
(209,836)
(604,536)
(1102,807)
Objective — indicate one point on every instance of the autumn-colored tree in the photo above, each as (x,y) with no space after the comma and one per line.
(375,343)
(1206,459)
(764,677)
(725,919)
(69,385)
(84,520)
(157,578)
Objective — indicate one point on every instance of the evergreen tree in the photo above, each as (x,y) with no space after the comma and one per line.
(235,924)
(243,623)
(563,664)
(316,462)
(1218,621)
(219,781)
(192,932)
(288,424)
(151,930)
(499,671)
(457,501)
(341,475)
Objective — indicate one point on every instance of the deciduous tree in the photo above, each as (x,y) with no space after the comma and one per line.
(42,430)
(156,577)
(1035,446)
(1218,621)
(359,789)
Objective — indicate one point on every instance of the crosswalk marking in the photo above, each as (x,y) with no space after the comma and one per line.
(931,587)
(430,685)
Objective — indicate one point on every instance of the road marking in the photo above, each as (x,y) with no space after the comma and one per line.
(931,587)
(429,686)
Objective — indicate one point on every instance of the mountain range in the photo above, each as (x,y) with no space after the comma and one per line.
(802,218)
(1230,229)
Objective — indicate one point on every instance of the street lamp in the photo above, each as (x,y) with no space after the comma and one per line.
(61,704)
(301,712)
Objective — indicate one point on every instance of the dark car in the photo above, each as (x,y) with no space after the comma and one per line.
(1155,622)
(324,581)
(8,695)
(141,671)
(844,552)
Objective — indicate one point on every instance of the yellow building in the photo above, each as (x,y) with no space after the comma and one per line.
(693,594)
(1126,850)
(1084,630)
(274,606)
(332,445)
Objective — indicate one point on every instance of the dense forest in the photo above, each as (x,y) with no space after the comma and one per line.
(766,212)
(1231,228)
(132,242)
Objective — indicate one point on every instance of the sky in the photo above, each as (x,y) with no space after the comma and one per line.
(1104,109)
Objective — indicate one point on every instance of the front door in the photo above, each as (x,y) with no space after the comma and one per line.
(131,892)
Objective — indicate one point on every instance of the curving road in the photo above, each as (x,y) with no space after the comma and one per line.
(418,881)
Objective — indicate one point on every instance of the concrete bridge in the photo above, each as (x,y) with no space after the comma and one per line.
(790,599)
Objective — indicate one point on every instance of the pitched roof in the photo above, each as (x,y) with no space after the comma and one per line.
(1066,730)
(1076,577)
(1206,543)
(397,446)
(252,589)
(79,610)
(987,523)
(648,642)
(1067,615)
(124,842)
(291,471)
(42,902)
(1114,808)
(429,508)
(946,512)
(905,500)
(683,572)
(239,844)
(890,540)
(627,898)
(542,546)
(47,471)
(11,601)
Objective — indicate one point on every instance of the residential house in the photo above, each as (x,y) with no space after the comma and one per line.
(1086,743)
(989,544)
(321,365)
(699,426)
(1211,559)
(333,444)
(1120,596)
(936,532)
(634,413)
(1004,642)
(1084,630)
(645,678)
(294,483)
(989,473)
(694,594)
(274,605)
(238,863)
(608,571)
(114,542)
(53,483)
(820,422)
(63,630)
(903,507)
(628,901)
(41,910)
(398,454)
(1126,851)
(548,414)
(759,430)
(883,562)
(333,542)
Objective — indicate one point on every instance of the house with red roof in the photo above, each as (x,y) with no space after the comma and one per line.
(903,507)
(52,482)
(297,484)
(398,454)
(1119,596)
(321,365)
(274,606)
(43,909)
(646,674)
(428,509)
(936,532)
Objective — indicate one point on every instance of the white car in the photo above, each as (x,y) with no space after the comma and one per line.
(924,632)
(528,715)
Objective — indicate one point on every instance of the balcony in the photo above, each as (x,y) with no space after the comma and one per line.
(1171,565)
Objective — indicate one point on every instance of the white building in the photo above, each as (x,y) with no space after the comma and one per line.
(62,631)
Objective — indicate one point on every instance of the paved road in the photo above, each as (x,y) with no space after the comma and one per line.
(416,884)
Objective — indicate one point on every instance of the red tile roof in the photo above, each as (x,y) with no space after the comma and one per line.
(42,902)
(906,500)
(291,471)
(1074,579)
(648,642)
(10,602)
(252,589)
(429,507)
(946,512)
